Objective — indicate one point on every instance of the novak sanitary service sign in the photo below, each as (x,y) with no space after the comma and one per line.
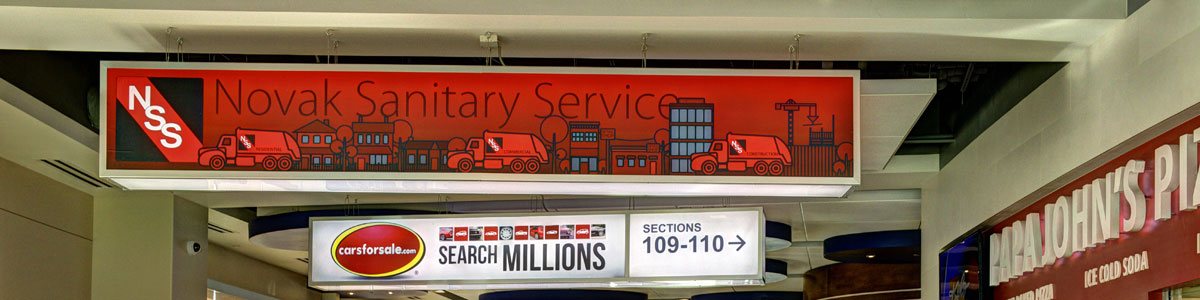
(338,122)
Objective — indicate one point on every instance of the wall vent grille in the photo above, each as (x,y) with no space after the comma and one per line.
(75,172)
(218,229)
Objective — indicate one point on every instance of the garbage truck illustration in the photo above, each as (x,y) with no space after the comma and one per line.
(272,150)
(762,154)
(520,152)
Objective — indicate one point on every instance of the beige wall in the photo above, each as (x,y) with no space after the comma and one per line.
(45,237)
(189,272)
(132,248)
(1111,96)
(238,270)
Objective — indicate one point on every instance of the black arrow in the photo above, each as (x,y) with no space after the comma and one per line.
(741,243)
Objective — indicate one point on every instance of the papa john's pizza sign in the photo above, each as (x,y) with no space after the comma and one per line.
(223,120)
(1125,230)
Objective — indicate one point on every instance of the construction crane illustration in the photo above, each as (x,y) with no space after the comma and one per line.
(791,106)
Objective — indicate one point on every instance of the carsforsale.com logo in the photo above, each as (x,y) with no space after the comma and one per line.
(378,250)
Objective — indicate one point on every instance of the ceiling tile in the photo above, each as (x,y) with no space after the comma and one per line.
(891,114)
(862,211)
(791,284)
(877,150)
(825,230)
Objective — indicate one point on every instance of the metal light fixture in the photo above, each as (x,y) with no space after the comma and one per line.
(778,236)
(776,271)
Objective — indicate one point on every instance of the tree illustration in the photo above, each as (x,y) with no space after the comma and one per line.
(554,132)
(845,152)
(845,155)
(456,144)
(341,145)
(402,133)
(662,137)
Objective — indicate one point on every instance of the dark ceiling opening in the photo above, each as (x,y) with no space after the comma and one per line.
(971,95)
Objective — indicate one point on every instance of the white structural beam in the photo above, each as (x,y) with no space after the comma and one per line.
(1058,9)
(958,34)
(890,108)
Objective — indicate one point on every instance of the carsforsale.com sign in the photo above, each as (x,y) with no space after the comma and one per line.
(664,248)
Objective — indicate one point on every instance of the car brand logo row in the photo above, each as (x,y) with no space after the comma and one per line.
(522,232)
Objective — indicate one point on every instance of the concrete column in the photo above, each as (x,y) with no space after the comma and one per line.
(139,248)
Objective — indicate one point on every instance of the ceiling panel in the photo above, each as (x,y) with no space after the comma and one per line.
(819,231)
(791,284)
(862,211)
(878,150)
(894,114)
(1072,9)
(759,36)
(889,110)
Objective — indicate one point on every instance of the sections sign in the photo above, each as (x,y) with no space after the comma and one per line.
(671,244)
(221,120)
(572,250)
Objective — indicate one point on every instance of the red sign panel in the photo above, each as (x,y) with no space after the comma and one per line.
(1152,245)
(462,120)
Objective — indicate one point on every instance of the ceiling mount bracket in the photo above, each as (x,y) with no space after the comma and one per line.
(794,52)
(491,41)
(172,36)
(332,43)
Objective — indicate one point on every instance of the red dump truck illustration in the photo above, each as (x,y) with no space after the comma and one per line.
(521,152)
(763,154)
(274,150)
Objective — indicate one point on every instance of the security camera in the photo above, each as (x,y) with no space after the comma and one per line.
(193,247)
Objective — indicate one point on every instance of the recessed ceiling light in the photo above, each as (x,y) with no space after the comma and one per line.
(440,291)
(351,293)
(870,255)
(390,293)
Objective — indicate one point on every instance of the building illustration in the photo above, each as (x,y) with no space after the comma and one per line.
(689,147)
(635,159)
(373,143)
(315,138)
(425,156)
(691,128)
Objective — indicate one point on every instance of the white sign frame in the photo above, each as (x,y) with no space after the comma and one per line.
(425,182)
(626,281)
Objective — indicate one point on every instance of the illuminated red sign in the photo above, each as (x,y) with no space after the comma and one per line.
(462,120)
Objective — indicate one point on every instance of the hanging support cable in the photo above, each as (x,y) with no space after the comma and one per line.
(794,53)
(645,47)
(179,49)
(490,42)
(169,35)
(332,43)
(170,38)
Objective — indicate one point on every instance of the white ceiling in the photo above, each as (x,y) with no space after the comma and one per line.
(979,9)
(853,30)
(963,30)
